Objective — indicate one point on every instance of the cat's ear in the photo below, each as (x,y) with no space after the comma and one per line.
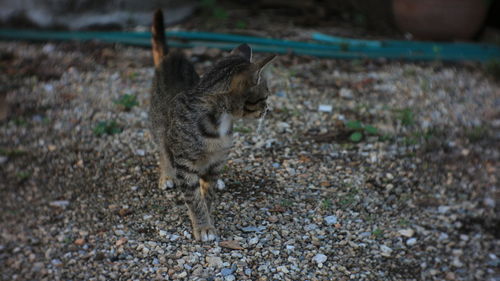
(244,51)
(261,65)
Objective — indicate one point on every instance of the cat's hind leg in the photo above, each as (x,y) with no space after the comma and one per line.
(166,171)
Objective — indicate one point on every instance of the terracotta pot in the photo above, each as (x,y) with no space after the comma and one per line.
(440,19)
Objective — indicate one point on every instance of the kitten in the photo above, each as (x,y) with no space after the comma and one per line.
(191,119)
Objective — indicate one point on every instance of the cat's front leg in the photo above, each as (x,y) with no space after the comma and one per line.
(197,198)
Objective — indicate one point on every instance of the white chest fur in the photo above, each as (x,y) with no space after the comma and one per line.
(226,121)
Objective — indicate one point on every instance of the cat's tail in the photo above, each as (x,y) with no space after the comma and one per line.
(158,40)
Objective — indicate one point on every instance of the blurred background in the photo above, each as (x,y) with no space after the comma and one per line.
(426,19)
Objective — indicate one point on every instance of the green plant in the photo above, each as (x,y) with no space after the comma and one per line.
(12,152)
(326,204)
(243,130)
(23,175)
(241,24)
(214,10)
(344,47)
(378,233)
(291,111)
(403,222)
(107,128)
(127,101)
(476,134)
(67,240)
(286,203)
(492,67)
(405,115)
(349,198)
(20,121)
(360,130)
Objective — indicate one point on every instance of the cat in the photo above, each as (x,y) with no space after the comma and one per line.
(191,119)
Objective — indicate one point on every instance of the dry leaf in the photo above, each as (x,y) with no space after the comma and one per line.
(121,241)
(273,219)
(231,244)
(124,212)
(277,208)
(79,241)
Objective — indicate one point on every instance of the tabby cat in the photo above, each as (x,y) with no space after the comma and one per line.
(191,119)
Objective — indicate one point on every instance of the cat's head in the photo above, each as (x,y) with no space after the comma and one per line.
(246,86)
(250,87)
(254,93)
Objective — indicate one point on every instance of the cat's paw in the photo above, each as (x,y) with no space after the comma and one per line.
(220,184)
(166,184)
(205,233)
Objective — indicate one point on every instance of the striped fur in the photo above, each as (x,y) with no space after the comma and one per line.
(191,120)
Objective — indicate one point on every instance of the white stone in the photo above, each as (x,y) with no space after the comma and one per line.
(220,184)
(406,232)
(411,241)
(214,261)
(386,251)
(59,203)
(253,240)
(325,108)
(225,124)
(320,258)
(443,209)
(331,220)
(346,93)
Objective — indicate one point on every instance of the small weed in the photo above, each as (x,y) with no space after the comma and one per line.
(360,130)
(132,75)
(129,163)
(127,101)
(12,152)
(23,175)
(476,134)
(369,217)
(20,121)
(344,47)
(241,24)
(386,137)
(403,222)
(405,197)
(46,120)
(107,128)
(492,67)
(291,112)
(425,85)
(378,233)
(411,155)
(214,10)
(243,130)
(67,240)
(407,141)
(326,204)
(286,203)
(349,198)
(409,72)
(406,116)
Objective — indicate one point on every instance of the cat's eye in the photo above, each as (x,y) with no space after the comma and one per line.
(255,102)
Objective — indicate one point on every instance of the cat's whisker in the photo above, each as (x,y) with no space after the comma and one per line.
(261,120)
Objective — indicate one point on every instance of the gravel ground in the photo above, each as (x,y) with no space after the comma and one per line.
(418,199)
